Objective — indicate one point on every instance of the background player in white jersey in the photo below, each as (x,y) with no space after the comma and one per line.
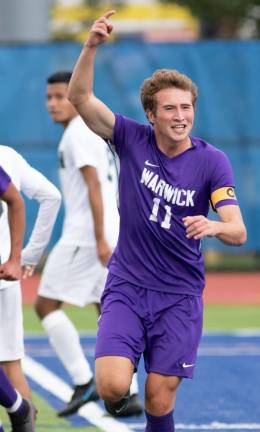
(35,186)
(76,271)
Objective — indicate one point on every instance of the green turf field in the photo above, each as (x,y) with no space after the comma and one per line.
(217,318)
(47,420)
(223,318)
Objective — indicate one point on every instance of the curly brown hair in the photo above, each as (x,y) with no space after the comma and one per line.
(161,79)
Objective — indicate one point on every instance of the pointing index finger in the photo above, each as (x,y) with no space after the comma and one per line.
(109,13)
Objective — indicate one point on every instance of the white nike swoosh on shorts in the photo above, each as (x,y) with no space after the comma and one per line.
(184,365)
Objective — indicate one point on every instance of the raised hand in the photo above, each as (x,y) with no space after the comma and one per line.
(100,30)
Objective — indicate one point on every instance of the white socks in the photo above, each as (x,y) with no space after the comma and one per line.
(16,405)
(134,386)
(65,341)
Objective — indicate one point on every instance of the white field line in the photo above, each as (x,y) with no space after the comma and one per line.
(59,388)
(243,332)
(220,426)
(210,426)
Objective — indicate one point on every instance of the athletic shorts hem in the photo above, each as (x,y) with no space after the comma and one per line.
(11,357)
(109,354)
(175,372)
(65,299)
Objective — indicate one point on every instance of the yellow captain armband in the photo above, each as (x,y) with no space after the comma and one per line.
(222,194)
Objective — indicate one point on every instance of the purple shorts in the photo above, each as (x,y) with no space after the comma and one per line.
(165,328)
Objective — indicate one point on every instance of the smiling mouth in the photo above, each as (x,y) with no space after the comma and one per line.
(180,128)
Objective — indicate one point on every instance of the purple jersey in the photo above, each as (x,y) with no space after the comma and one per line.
(4,181)
(155,193)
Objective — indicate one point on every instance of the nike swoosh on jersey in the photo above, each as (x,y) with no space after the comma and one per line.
(150,164)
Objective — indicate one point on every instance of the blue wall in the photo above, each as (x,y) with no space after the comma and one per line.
(228,111)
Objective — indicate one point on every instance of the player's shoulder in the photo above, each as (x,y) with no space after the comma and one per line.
(214,160)
(132,126)
(209,150)
(7,151)
(78,129)
(76,125)
(9,155)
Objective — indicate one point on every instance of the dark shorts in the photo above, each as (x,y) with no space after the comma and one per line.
(165,328)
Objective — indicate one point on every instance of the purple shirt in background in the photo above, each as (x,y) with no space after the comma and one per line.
(155,193)
(4,181)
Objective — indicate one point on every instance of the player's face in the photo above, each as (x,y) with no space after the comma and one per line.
(174,116)
(58,106)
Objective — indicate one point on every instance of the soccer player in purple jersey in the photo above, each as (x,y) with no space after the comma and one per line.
(20,411)
(11,269)
(152,303)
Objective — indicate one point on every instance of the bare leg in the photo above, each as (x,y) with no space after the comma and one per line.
(113,377)
(44,306)
(13,370)
(160,393)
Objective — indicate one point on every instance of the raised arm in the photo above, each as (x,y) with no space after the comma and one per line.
(94,112)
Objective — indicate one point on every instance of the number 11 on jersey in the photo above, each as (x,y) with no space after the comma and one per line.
(166,223)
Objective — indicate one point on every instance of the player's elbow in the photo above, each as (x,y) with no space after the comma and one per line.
(19,204)
(73,97)
(78,98)
(56,196)
(241,236)
(16,202)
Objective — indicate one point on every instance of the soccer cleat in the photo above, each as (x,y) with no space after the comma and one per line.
(24,422)
(82,395)
(134,407)
(117,408)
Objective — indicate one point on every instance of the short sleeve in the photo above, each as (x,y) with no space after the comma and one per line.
(84,146)
(222,188)
(29,180)
(4,181)
(126,132)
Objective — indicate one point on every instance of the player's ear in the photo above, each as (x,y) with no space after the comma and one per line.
(150,116)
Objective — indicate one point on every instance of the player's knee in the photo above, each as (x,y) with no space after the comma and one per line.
(158,406)
(160,399)
(112,390)
(113,377)
(38,309)
(43,307)
(41,310)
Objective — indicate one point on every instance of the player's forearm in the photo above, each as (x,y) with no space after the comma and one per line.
(37,187)
(42,230)
(16,219)
(231,233)
(81,83)
(98,117)
(97,208)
